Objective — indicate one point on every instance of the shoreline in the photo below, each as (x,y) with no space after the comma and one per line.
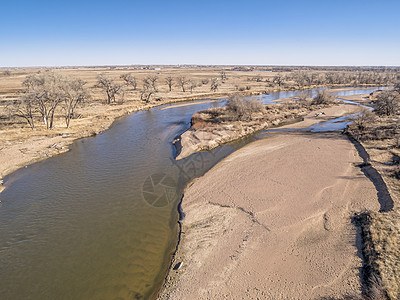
(196,140)
(44,144)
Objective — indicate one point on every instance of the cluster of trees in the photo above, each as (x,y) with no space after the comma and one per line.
(44,93)
(150,84)
(387,102)
(303,79)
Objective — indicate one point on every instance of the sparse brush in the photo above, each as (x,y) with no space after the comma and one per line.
(323,97)
(363,119)
(243,108)
(381,243)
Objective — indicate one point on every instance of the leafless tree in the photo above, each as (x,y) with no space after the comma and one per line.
(170,82)
(278,79)
(110,87)
(7,73)
(74,93)
(301,78)
(182,82)
(387,103)
(146,93)
(24,108)
(323,97)
(151,80)
(214,84)
(129,80)
(192,85)
(45,92)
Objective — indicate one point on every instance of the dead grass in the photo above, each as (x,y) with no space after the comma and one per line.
(381,244)
(381,230)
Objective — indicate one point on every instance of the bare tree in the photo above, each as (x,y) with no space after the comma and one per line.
(323,97)
(301,79)
(25,109)
(151,81)
(278,79)
(110,87)
(129,80)
(148,90)
(74,93)
(170,82)
(44,90)
(387,103)
(7,73)
(182,82)
(192,85)
(146,93)
(214,84)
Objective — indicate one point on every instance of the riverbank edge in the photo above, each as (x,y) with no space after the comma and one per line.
(107,123)
(371,274)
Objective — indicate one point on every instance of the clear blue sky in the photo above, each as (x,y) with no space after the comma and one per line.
(304,32)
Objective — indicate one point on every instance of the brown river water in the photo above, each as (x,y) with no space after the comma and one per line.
(101,221)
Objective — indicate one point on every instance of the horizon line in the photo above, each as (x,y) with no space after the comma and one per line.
(192,65)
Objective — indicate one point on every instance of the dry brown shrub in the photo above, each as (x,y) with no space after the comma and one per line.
(323,97)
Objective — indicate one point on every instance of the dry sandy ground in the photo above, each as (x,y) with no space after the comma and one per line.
(273,221)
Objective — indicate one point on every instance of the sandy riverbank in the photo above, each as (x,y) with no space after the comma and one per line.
(273,221)
(207,135)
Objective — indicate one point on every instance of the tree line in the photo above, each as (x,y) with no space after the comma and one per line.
(44,94)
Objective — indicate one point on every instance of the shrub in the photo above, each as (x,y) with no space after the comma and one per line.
(322,98)
(363,119)
(243,108)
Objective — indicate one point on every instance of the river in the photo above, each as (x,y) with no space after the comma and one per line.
(100,221)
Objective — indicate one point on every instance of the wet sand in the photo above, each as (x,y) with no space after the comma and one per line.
(273,221)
